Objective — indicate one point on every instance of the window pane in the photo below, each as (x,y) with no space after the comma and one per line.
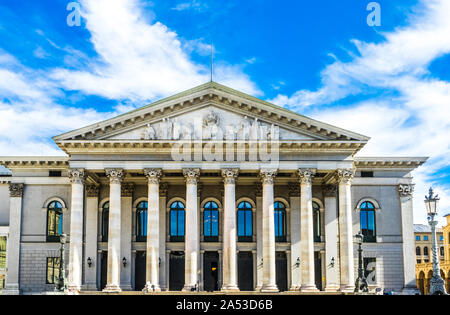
(371,223)
(215,223)
(173,222)
(51,223)
(364,221)
(50,270)
(181,223)
(207,223)
(248,223)
(3,241)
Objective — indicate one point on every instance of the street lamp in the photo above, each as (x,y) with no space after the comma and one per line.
(437,284)
(361,282)
(61,285)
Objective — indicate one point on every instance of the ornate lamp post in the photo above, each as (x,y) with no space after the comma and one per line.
(361,282)
(437,285)
(61,285)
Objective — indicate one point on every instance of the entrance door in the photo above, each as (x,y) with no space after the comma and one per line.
(281,266)
(211,271)
(245,271)
(104,270)
(176,271)
(140,271)
(318,270)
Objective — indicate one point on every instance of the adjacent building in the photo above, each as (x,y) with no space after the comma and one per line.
(424,255)
(208,190)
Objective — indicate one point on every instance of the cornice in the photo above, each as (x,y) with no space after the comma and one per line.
(14,162)
(210,93)
(165,146)
(389,163)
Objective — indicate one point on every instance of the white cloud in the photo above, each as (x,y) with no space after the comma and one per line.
(416,121)
(193,4)
(137,59)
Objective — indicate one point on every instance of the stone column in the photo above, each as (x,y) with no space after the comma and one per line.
(13,245)
(90,247)
(114,233)
(126,214)
(192,237)
(307,231)
(296,249)
(259,236)
(406,208)
(269,258)
(229,231)
(345,178)
(163,188)
(76,230)
(152,266)
(331,242)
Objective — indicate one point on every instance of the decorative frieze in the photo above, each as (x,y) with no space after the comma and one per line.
(153,175)
(77,176)
(16,190)
(127,190)
(191,175)
(115,175)
(92,191)
(406,190)
(329,190)
(294,190)
(345,176)
(229,176)
(268,176)
(306,176)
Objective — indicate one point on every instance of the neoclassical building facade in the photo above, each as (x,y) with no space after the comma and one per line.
(209,190)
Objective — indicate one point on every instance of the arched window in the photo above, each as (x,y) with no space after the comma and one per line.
(367,216)
(54,221)
(418,252)
(280,221)
(425,251)
(317,223)
(245,222)
(105,221)
(177,222)
(141,221)
(211,222)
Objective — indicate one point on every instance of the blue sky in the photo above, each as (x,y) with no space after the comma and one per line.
(318,58)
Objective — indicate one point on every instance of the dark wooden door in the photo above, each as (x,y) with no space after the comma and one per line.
(245,271)
(104,270)
(318,270)
(176,271)
(281,268)
(211,271)
(140,271)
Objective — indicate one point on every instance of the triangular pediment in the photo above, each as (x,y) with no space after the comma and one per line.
(216,108)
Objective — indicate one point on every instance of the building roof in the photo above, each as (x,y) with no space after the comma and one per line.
(422,228)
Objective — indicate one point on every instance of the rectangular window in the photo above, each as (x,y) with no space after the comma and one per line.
(425,238)
(419,261)
(366,174)
(441,238)
(370,270)
(54,173)
(418,238)
(3,243)
(52,270)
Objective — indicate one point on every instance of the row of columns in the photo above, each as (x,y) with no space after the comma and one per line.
(192,240)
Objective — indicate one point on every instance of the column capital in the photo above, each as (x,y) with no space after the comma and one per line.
(229,176)
(329,190)
(16,190)
(163,188)
(115,175)
(268,176)
(77,176)
(153,175)
(92,191)
(127,190)
(345,176)
(294,190)
(306,175)
(191,175)
(406,190)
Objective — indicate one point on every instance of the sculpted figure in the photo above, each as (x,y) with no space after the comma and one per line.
(211,127)
(186,131)
(254,130)
(149,133)
(244,129)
